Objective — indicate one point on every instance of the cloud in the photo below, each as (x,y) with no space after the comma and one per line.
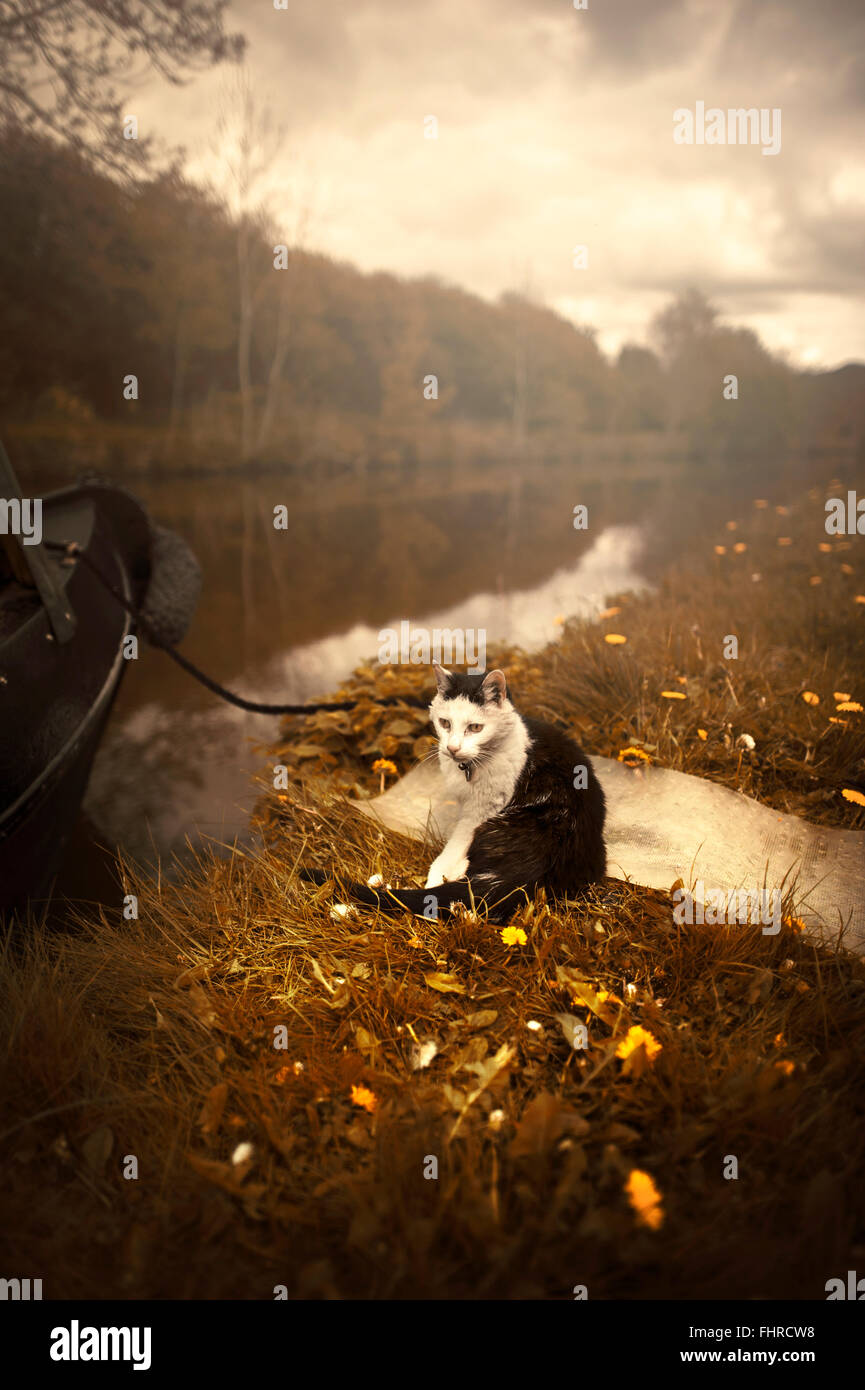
(555,128)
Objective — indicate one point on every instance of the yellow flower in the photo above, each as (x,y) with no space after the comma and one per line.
(786,1067)
(720,550)
(638,1037)
(760,503)
(810,698)
(362,1096)
(825,547)
(852,705)
(841,695)
(794,923)
(645,1199)
(513,936)
(815,579)
(860,598)
(732,525)
(632,757)
(850,795)
(383,765)
(673,695)
(616,639)
(785,540)
(702,735)
(740,547)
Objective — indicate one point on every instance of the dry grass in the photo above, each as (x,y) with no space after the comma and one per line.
(155,1038)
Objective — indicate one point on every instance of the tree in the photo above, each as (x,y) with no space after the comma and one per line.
(60,59)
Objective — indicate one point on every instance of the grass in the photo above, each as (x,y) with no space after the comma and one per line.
(154,1039)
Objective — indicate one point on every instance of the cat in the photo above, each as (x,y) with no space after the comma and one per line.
(531,809)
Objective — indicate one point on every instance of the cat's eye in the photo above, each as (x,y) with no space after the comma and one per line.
(445,724)
(474,728)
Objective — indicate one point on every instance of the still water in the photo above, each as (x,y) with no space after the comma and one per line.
(286,615)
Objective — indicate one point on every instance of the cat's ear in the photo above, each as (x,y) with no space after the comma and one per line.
(442,677)
(495,688)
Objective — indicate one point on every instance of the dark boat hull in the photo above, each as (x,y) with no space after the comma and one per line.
(55,697)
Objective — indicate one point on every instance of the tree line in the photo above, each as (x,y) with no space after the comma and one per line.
(227,334)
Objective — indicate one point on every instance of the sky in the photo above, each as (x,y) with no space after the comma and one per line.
(555,129)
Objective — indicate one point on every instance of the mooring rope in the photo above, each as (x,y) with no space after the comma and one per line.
(73,549)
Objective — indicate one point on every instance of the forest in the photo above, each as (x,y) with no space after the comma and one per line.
(143,317)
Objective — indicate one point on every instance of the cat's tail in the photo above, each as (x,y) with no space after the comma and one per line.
(423,902)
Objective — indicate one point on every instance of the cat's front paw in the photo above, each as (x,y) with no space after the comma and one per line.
(436,873)
(443,870)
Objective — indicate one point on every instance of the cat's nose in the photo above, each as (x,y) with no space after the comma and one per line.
(453,749)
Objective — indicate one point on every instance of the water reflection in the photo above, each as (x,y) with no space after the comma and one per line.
(167,774)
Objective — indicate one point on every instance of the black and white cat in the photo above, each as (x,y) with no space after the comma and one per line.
(531,810)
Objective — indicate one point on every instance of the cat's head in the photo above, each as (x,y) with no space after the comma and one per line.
(470,713)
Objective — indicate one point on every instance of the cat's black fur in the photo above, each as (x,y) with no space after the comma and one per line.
(549,835)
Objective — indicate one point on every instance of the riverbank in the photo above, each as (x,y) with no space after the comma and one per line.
(283,1075)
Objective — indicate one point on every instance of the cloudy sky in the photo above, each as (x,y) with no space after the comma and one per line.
(555,129)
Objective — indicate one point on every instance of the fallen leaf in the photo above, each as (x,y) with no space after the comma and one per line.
(213,1108)
(446,984)
(574,1030)
(482,1019)
(367,1043)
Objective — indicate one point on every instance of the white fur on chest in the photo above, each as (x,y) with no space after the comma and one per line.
(493,780)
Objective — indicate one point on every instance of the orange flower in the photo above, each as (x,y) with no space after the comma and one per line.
(513,936)
(632,757)
(362,1096)
(638,1037)
(673,695)
(825,547)
(701,734)
(815,579)
(849,794)
(785,540)
(841,695)
(849,706)
(645,1199)
(732,525)
(810,698)
(720,550)
(740,547)
(760,503)
(383,765)
(615,639)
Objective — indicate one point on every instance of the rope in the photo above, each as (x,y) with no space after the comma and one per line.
(252,706)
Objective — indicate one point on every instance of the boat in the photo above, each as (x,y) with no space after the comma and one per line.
(64,648)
